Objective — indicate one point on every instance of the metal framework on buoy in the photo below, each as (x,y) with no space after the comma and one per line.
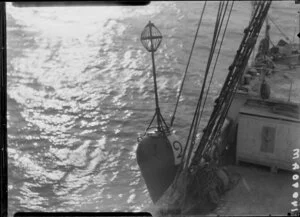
(151,39)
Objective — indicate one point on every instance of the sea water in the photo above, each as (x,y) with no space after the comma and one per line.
(80,90)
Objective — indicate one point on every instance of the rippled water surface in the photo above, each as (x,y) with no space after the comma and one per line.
(80,90)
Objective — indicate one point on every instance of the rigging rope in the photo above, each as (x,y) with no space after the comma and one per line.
(216,59)
(225,98)
(253,4)
(216,37)
(286,37)
(185,180)
(197,107)
(182,165)
(194,125)
(187,66)
(189,145)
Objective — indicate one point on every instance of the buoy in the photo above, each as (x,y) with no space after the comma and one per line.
(158,156)
(159,152)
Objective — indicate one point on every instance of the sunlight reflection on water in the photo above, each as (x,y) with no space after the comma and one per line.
(80,90)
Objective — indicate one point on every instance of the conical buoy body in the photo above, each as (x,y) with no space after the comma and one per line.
(158,162)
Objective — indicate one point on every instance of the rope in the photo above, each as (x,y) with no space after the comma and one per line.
(254,5)
(197,108)
(226,95)
(218,28)
(271,42)
(186,69)
(193,129)
(286,37)
(216,59)
(194,117)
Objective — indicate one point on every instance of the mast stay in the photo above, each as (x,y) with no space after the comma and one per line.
(192,183)
(236,69)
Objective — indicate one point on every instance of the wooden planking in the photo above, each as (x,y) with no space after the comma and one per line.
(249,141)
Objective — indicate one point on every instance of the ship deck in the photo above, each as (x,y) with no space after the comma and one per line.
(258,192)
